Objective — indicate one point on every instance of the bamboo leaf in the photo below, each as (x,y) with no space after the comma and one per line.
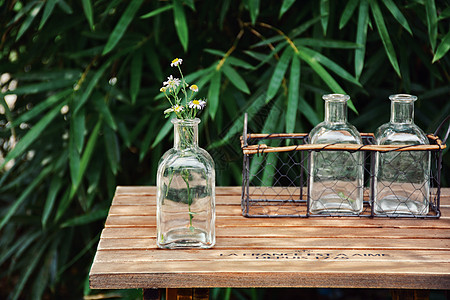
(430,8)
(41,107)
(213,94)
(294,83)
(122,25)
(326,43)
(163,132)
(253,6)
(41,87)
(348,12)
(31,265)
(74,158)
(285,7)
(135,75)
(235,78)
(87,8)
(35,132)
(28,190)
(331,65)
(278,74)
(112,148)
(30,18)
(157,11)
(395,11)
(104,111)
(324,14)
(77,128)
(55,186)
(382,30)
(181,24)
(48,9)
(326,77)
(81,99)
(361,36)
(87,154)
(302,28)
(443,48)
(308,112)
(86,218)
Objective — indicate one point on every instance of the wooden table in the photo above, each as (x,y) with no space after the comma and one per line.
(282,252)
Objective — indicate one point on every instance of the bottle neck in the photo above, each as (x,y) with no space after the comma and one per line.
(185,134)
(402,112)
(336,112)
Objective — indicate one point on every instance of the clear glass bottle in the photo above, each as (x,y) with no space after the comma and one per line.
(186,192)
(335,177)
(402,178)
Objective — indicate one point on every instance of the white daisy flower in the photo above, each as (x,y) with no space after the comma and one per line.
(172,83)
(194,88)
(197,104)
(176,62)
(177,108)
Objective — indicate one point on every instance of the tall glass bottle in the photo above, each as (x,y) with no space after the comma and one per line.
(186,192)
(402,178)
(335,177)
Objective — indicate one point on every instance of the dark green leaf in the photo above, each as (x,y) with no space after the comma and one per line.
(443,48)
(48,9)
(86,93)
(213,94)
(30,18)
(55,186)
(104,111)
(152,59)
(86,219)
(41,87)
(136,74)
(34,133)
(23,196)
(285,7)
(326,43)
(392,7)
(87,7)
(361,36)
(253,6)
(430,8)
(163,132)
(157,11)
(324,14)
(122,25)
(41,107)
(308,112)
(181,26)
(294,85)
(331,65)
(112,149)
(235,78)
(302,28)
(87,154)
(382,30)
(348,12)
(278,73)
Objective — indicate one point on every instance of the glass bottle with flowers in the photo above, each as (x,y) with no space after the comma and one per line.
(186,175)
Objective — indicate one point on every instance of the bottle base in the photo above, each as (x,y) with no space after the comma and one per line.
(334,205)
(400,205)
(184,238)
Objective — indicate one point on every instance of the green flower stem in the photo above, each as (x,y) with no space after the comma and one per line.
(185,176)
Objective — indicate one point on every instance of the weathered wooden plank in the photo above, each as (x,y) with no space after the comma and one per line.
(222,210)
(355,222)
(271,273)
(292,243)
(293,232)
(221,255)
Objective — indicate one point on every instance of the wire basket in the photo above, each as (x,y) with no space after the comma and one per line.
(276,171)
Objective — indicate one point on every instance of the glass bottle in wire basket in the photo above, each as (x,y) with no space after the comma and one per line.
(402,178)
(335,177)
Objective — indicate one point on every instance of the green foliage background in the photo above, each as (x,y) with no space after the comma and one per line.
(81,110)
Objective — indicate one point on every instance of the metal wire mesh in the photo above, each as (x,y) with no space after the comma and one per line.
(276,171)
